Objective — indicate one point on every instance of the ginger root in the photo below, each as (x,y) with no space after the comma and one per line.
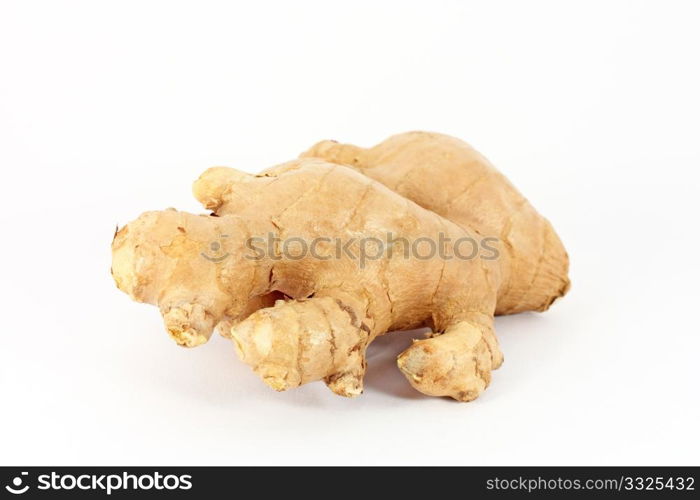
(472,193)
(301,318)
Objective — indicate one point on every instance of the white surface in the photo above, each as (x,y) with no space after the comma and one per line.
(108,109)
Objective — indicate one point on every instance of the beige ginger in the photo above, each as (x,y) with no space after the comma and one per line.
(336,308)
(333,309)
(449,177)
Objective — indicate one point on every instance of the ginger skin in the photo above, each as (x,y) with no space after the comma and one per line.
(157,259)
(299,320)
(462,293)
(336,307)
(473,194)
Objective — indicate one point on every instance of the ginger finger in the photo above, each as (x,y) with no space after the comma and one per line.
(457,363)
(300,341)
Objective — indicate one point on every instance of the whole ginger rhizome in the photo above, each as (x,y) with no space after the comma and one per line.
(304,265)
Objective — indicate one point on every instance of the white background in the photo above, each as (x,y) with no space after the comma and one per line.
(108,109)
